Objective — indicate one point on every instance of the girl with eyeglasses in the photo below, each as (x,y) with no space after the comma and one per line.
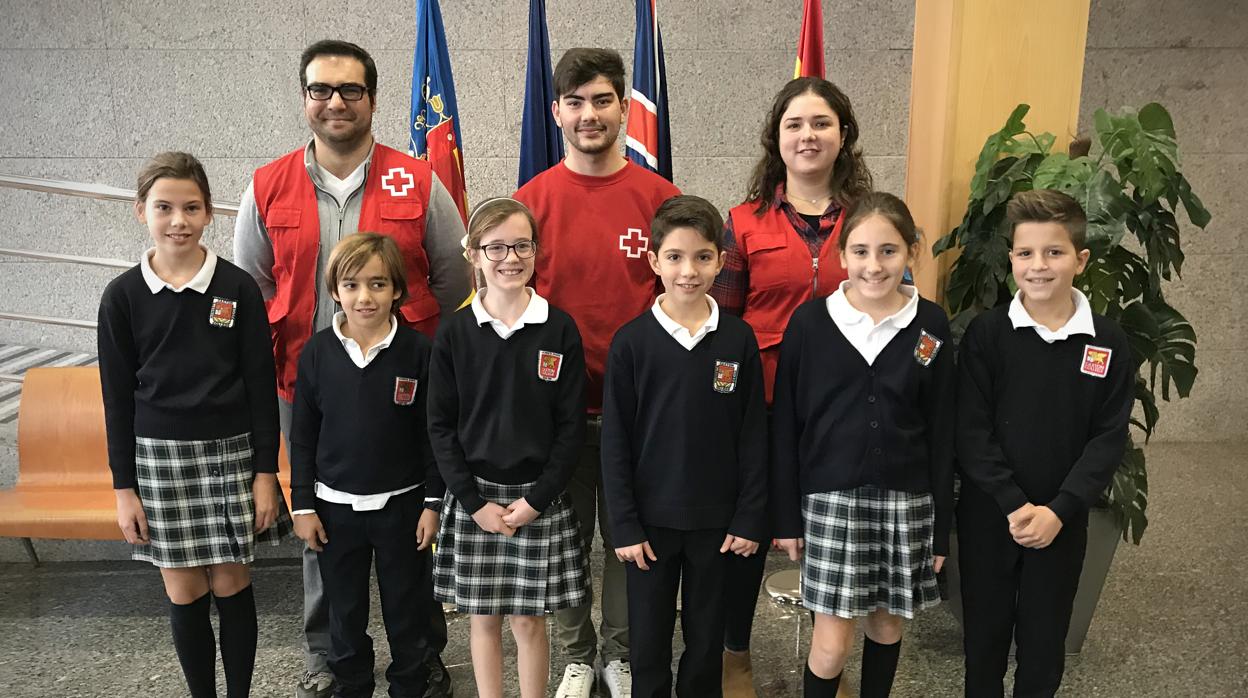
(506,420)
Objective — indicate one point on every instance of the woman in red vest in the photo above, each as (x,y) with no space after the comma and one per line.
(780,251)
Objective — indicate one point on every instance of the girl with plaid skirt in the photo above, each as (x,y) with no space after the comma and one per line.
(506,420)
(190,411)
(862,467)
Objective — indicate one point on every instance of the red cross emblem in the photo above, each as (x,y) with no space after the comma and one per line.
(406,181)
(634,243)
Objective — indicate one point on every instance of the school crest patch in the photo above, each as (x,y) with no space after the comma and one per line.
(1095,361)
(927,348)
(404,390)
(726,376)
(222,313)
(549,364)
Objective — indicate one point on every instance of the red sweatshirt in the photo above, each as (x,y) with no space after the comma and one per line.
(593,235)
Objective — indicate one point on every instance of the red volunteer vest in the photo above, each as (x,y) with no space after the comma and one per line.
(783,275)
(396,192)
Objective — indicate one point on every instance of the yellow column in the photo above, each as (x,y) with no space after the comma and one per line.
(973,62)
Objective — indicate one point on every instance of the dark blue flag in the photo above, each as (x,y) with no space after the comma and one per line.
(649,132)
(434,124)
(541,143)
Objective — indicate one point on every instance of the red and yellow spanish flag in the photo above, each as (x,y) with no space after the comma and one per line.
(810,41)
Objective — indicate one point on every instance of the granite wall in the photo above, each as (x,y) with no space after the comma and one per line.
(93,87)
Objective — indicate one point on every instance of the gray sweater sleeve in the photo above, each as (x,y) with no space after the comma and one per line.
(444,229)
(253,251)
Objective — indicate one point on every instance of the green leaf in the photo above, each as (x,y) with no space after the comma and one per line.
(1127,496)
(1154,117)
(1051,173)
(1176,350)
(993,147)
(1196,211)
(1031,145)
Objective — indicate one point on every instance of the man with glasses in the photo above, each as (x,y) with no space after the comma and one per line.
(293,213)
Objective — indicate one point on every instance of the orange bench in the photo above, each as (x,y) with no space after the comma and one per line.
(64,487)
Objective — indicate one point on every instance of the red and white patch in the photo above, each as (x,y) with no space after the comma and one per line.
(926,348)
(634,243)
(222,313)
(404,390)
(397,181)
(726,376)
(549,364)
(1096,361)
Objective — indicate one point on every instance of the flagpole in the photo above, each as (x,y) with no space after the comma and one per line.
(654,23)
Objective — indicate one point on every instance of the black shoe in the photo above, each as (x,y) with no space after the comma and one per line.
(439,680)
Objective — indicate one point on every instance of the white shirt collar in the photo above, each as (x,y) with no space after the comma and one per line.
(678,331)
(1079,323)
(198,283)
(535,313)
(845,313)
(865,335)
(353,347)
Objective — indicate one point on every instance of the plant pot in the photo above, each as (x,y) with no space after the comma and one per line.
(1103,537)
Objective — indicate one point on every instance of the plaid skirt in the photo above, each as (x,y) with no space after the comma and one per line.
(198,501)
(541,569)
(868,548)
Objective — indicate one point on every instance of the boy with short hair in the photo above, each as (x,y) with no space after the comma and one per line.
(362,467)
(594,210)
(1046,389)
(684,454)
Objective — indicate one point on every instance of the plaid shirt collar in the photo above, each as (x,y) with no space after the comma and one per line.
(827,221)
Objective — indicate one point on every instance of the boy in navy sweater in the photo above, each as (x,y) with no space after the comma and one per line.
(362,468)
(684,454)
(1045,394)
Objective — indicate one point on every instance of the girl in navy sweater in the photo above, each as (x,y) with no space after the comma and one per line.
(863,449)
(506,420)
(190,408)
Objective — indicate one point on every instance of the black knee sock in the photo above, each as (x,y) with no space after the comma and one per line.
(238,640)
(197,649)
(879,665)
(815,687)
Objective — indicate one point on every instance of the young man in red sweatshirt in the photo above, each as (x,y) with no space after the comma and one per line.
(594,211)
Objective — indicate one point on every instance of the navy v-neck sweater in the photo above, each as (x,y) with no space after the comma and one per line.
(1035,424)
(684,432)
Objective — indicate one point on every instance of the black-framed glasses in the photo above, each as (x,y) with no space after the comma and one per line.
(497,251)
(349,91)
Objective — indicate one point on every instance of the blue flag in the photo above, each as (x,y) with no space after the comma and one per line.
(649,132)
(541,143)
(434,122)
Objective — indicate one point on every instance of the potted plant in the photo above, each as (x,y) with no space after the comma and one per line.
(1132,191)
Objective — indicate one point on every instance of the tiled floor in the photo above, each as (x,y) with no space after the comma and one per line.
(1173,619)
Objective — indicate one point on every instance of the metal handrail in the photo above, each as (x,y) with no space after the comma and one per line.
(45,320)
(71,258)
(102,192)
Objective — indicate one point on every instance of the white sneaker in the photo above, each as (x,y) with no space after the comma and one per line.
(618,678)
(578,682)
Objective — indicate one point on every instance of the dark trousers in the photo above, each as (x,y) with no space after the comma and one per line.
(689,561)
(316,613)
(386,537)
(742,580)
(1012,592)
